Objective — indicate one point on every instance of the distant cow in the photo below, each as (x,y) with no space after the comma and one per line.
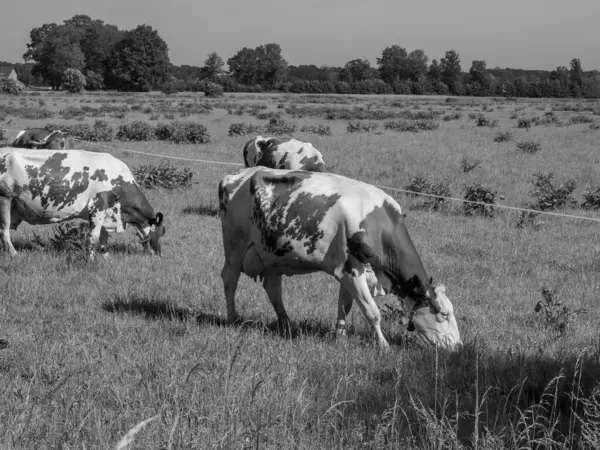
(276,153)
(42,138)
(49,186)
(281,222)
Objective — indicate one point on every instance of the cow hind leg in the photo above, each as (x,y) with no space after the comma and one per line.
(357,286)
(231,275)
(344,306)
(273,287)
(5,207)
(96,221)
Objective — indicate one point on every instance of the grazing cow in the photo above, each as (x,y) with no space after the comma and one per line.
(278,154)
(282,222)
(49,186)
(42,138)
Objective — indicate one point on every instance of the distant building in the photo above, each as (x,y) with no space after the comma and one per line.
(8,72)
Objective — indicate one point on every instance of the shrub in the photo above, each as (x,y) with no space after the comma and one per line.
(169,88)
(400,125)
(422,185)
(591,198)
(3,138)
(525,219)
(594,126)
(427,125)
(73,80)
(101,131)
(580,119)
(8,86)
(554,315)
(184,132)
(93,81)
(454,116)
(467,165)
(280,126)
(473,116)
(322,130)
(136,131)
(242,129)
(485,198)
(524,122)
(529,146)
(361,127)
(482,121)
(213,89)
(549,196)
(164,175)
(503,136)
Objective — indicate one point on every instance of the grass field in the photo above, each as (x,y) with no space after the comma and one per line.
(96,348)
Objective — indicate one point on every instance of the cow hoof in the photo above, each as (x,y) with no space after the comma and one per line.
(234,320)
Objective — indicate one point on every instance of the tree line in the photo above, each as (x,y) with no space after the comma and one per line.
(138,60)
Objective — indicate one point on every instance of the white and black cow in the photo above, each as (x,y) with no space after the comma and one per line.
(42,138)
(282,154)
(282,222)
(49,186)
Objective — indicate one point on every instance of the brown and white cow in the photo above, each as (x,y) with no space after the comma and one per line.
(42,138)
(282,222)
(276,153)
(49,186)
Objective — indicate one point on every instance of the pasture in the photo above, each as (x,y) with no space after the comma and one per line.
(96,348)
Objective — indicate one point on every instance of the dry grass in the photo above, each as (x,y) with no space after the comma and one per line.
(95,349)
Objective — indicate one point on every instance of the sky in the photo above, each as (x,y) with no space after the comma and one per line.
(525,34)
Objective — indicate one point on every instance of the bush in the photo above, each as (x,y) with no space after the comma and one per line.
(279,126)
(169,88)
(164,175)
(454,116)
(549,196)
(591,198)
(553,314)
(93,81)
(242,129)
(400,126)
(467,165)
(213,89)
(524,122)
(580,119)
(503,136)
(183,133)
(322,130)
(529,146)
(8,86)
(73,80)
(136,131)
(485,198)
(422,185)
(483,121)
(361,127)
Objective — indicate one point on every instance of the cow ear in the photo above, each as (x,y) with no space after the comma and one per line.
(158,219)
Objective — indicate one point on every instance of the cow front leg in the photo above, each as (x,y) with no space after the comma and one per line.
(5,207)
(273,287)
(96,221)
(355,281)
(344,307)
(231,275)
(104,242)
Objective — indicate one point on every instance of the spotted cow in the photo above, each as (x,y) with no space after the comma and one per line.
(42,138)
(282,154)
(282,222)
(49,186)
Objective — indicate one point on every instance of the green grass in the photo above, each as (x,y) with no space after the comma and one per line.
(96,348)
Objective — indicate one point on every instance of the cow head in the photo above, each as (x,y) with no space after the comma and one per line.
(433,315)
(57,140)
(156,230)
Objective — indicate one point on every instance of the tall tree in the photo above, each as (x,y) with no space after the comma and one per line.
(59,51)
(243,66)
(97,44)
(38,36)
(417,64)
(393,64)
(213,67)
(356,70)
(478,71)
(434,72)
(450,69)
(273,68)
(139,61)
(576,77)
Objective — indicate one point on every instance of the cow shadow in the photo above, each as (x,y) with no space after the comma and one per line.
(202,210)
(154,309)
